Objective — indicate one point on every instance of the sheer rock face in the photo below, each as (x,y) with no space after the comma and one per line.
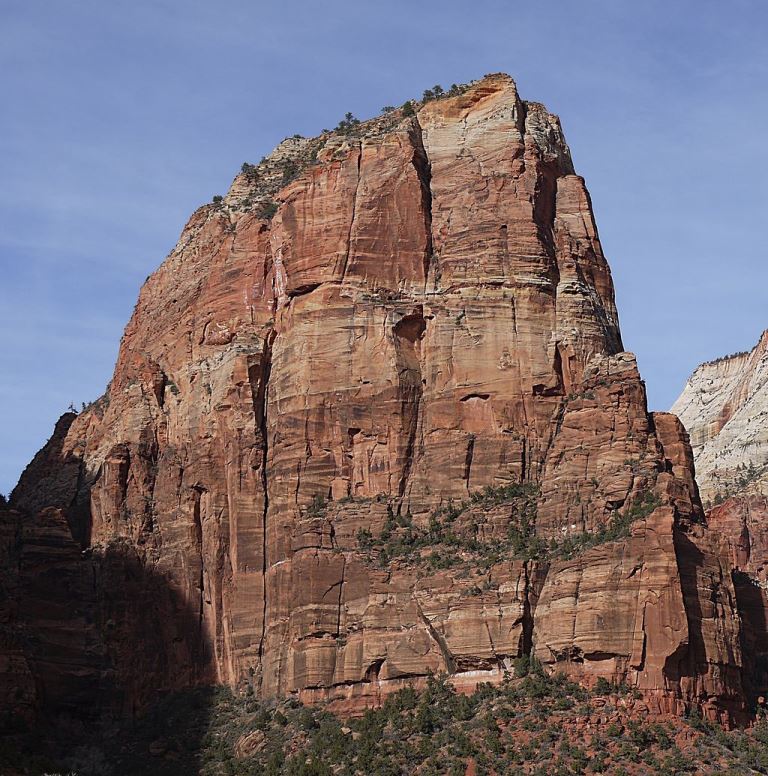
(743,520)
(657,609)
(427,313)
(724,406)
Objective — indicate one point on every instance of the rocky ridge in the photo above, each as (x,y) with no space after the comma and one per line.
(401,334)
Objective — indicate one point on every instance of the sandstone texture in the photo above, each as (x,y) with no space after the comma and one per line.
(371,420)
(724,407)
(743,520)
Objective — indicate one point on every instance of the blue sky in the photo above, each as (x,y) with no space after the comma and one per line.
(120,118)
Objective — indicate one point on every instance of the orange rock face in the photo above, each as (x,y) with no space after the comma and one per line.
(426,313)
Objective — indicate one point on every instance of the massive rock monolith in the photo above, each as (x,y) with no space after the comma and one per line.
(372,419)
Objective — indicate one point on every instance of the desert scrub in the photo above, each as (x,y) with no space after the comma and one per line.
(267,210)
(443,543)
(528,725)
(533,724)
(446,542)
(619,527)
(318,507)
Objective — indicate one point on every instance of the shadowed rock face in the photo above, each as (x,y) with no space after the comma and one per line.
(725,406)
(427,313)
(743,520)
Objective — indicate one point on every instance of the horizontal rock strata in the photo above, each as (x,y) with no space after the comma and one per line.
(366,346)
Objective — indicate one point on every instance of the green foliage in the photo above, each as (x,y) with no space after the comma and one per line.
(447,545)
(290,171)
(218,199)
(364,539)
(407,108)
(602,687)
(267,210)
(348,124)
(618,528)
(743,477)
(446,541)
(318,506)
(522,665)
(525,725)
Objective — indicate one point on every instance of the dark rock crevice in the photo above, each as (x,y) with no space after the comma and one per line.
(347,254)
(408,332)
(423,168)
(445,651)
(259,378)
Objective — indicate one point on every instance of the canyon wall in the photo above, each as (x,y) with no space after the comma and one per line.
(372,419)
(724,407)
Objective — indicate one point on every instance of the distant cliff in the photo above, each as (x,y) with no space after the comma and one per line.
(724,407)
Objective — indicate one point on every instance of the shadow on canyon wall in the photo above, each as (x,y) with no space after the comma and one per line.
(92,642)
(95,643)
(753,604)
(105,667)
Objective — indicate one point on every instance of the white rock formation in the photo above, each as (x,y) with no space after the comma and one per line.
(724,407)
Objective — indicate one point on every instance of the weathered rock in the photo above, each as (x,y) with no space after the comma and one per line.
(426,313)
(742,519)
(724,406)
(656,610)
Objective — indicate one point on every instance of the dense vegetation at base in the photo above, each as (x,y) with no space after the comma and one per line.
(535,724)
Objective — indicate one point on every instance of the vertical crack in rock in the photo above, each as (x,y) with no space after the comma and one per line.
(524,473)
(341,592)
(468,459)
(260,399)
(411,328)
(450,663)
(423,168)
(408,332)
(198,526)
(354,213)
(691,656)
(78,512)
(526,636)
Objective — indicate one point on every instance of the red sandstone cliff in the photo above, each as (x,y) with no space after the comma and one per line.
(724,406)
(373,326)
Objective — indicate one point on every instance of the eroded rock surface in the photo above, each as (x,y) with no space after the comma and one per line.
(724,406)
(371,329)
